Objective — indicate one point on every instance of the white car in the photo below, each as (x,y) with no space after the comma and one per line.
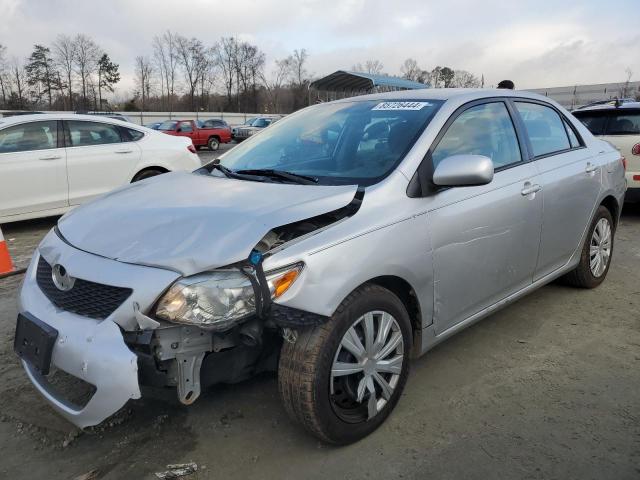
(50,163)
(620,126)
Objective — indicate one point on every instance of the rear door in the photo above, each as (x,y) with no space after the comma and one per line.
(570,177)
(485,239)
(33,171)
(99,159)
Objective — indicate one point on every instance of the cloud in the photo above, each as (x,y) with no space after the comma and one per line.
(537,43)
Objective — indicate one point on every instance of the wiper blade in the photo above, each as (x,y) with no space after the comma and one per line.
(227,172)
(283,174)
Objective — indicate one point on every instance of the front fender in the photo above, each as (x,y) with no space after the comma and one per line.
(332,272)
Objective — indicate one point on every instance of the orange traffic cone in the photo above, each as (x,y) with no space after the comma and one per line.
(6,265)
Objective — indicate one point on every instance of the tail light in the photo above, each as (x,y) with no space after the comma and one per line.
(636,149)
(192,149)
(624,163)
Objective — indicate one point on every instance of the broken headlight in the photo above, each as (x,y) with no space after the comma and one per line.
(219,299)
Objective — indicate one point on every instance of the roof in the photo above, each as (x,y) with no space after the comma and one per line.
(342,81)
(459,94)
(62,116)
(609,106)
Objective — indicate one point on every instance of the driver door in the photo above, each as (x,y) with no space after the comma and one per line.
(485,238)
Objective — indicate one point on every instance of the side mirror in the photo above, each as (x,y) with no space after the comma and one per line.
(463,170)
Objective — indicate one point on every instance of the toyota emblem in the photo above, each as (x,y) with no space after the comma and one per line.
(61,278)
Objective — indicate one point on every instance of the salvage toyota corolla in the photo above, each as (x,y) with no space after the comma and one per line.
(331,248)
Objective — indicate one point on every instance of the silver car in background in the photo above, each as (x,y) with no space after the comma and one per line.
(354,235)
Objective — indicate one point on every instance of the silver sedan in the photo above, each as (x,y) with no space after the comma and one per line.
(354,235)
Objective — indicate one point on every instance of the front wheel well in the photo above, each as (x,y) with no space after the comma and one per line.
(217,137)
(407,295)
(611,204)
(148,169)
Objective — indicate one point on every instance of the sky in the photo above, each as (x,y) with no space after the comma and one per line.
(536,43)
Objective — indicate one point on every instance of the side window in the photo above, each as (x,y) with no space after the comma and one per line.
(573,138)
(486,130)
(29,136)
(544,127)
(134,135)
(92,133)
(624,124)
(185,127)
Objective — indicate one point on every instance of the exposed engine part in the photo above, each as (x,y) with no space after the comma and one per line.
(188,366)
(286,233)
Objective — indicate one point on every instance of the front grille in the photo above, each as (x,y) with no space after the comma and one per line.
(89,299)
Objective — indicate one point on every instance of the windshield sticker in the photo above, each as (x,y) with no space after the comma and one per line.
(401,106)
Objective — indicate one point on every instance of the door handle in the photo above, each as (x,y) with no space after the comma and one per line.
(51,158)
(530,188)
(124,151)
(590,168)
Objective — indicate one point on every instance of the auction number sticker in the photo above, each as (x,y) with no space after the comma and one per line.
(401,106)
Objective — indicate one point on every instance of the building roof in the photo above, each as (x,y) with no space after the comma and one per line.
(343,81)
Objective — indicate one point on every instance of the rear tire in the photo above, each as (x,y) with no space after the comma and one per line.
(152,172)
(213,144)
(339,407)
(597,251)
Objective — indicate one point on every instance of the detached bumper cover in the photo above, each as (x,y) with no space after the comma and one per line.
(95,353)
(92,350)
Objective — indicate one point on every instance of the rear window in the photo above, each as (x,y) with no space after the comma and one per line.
(168,125)
(594,121)
(624,123)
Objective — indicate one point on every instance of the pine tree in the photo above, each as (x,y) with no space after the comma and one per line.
(108,76)
(41,74)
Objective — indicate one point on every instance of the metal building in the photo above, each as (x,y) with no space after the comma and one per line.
(343,83)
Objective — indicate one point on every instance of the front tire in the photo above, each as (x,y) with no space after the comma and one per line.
(342,379)
(213,144)
(595,258)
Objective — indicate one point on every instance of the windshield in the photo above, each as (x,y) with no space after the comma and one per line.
(357,142)
(168,125)
(260,122)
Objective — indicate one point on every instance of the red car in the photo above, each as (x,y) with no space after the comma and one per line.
(210,137)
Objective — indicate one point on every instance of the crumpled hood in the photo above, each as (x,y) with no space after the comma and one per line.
(189,222)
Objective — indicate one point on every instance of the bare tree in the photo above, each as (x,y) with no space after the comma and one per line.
(64,52)
(374,67)
(192,60)
(299,77)
(18,84)
(86,59)
(274,85)
(464,79)
(225,52)
(144,72)
(166,57)
(4,80)
(412,71)
(626,87)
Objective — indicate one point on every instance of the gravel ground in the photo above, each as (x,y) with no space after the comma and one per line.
(545,389)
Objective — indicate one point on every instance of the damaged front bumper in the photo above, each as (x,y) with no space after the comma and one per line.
(93,351)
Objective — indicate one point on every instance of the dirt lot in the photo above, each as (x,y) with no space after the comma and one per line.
(547,388)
